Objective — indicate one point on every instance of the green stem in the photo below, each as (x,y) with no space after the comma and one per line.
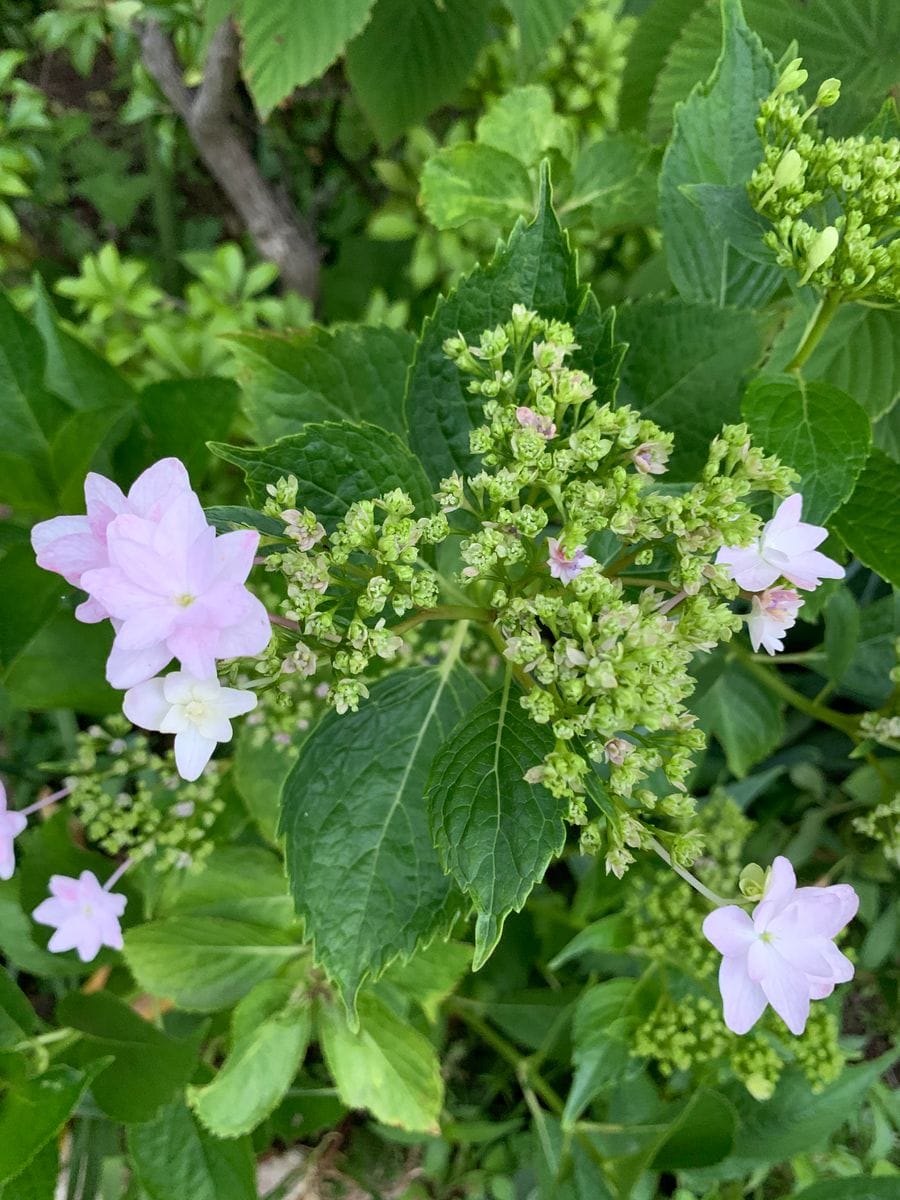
(813,332)
(770,679)
(444,612)
(695,883)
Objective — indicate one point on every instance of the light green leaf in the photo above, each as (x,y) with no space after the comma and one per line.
(38,1180)
(854,1187)
(715,141)
(242,883)
(692,56)
(335,463)
(818,430)
(174,1158)
(414,56)
(260,767)
(494,832)
(523,123)
(615,179)
(868,521)
(684,368)
(365,876)
(147,1067)
(386,1065)
(540,23)
(32,1113)
(429,976)
(468,182)
(288,43)
(270,1030)
(742,715)
(203,964)
(354,372)
(609,933)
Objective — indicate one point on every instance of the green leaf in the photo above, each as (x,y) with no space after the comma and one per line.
(243,883)
(741,713)
(494,832)
(841,632)
(859,353)
(386,1065)
(39,1179)
(535,267)
(655,33)
(28,596)
(174,1158)
(469,182)
(355,372)
(63,666)
(866,678)
(684,368)
(182,415)
(615,180)
(335,464)
(32,1113)
(797,1121)
(261,766)
(540,23)
(365,876)
(854,1187)
(270,1030)
(702,1134)
(17,1018)
(413,57)
(24,451)
(819,431)
(609,933)
(429,976)
(203,964)
(692,55)
(524,124)
(868,521)
(715,141)
(148,1068)
(288,43)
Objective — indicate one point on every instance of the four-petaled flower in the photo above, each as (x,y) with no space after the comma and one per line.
(786,547)
(567,566)
(11,825)
(529,419)
(772,614)
(196,710)
(176,590)
(84,914)
(650,458)
(784,955)
(71,546)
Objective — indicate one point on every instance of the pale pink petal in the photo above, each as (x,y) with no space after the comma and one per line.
(787,991)
(178,687)
(729,929)
(181,524)
(786,515)
(65,888)
(105,500)
(69,554)
(743,1001)
(146,704)
(800,539)
(7,859)
(808,570)
(236,702)
(91,611)
(747,567)
(51,911)
(840,968)
(196,649)
(808,955)
(66,937)
(146,628)
(234,554)
(140,565)
(820,988)
(154,490)
(109,587)
(760,958)
(192,753)
(127,668)
(89,940)
(780,890)
(109,930)
(250,636)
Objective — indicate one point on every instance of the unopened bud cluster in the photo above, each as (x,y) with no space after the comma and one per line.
(832,201)
(131,801)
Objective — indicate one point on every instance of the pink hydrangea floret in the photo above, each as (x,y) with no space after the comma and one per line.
(772,613)
(84,915)
(786,547)
(529,419)
(11,825)
(784,955)
(176,590)
(197,711)
(71,546)
(567,567)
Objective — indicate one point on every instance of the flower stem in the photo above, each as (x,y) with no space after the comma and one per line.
(812,708)
(444,612)
(117,874)
(813,332)
(695,883)
(39,804)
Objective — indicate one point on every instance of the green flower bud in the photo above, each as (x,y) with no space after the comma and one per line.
(829,93)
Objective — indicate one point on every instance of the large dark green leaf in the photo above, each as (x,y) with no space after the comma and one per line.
(743,716)
(365,876)
(495,833)
(335,464)
(540,23)
(175,1158)
(182,415)
(868,521)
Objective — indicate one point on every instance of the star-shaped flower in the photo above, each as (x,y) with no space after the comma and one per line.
(772,613)
(567,566)
(84,914)
(786,547)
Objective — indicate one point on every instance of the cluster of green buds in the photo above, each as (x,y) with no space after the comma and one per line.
(132,801)
(882,825)
(340,588)
(601,618)
(832,201)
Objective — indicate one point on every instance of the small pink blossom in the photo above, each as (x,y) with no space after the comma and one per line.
(11,825)
(650,458)
(784,955)
(196,710)
(84,914)
(529,419)
(72,546)
(772,613)
(176,590)
(786,547)
(567,567)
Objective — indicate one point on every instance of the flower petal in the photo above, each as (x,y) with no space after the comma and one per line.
(192,753)
(154,490)
(743,1001)
(786,989)
(146,704)
(730,930)
(780,890)
(126,668)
